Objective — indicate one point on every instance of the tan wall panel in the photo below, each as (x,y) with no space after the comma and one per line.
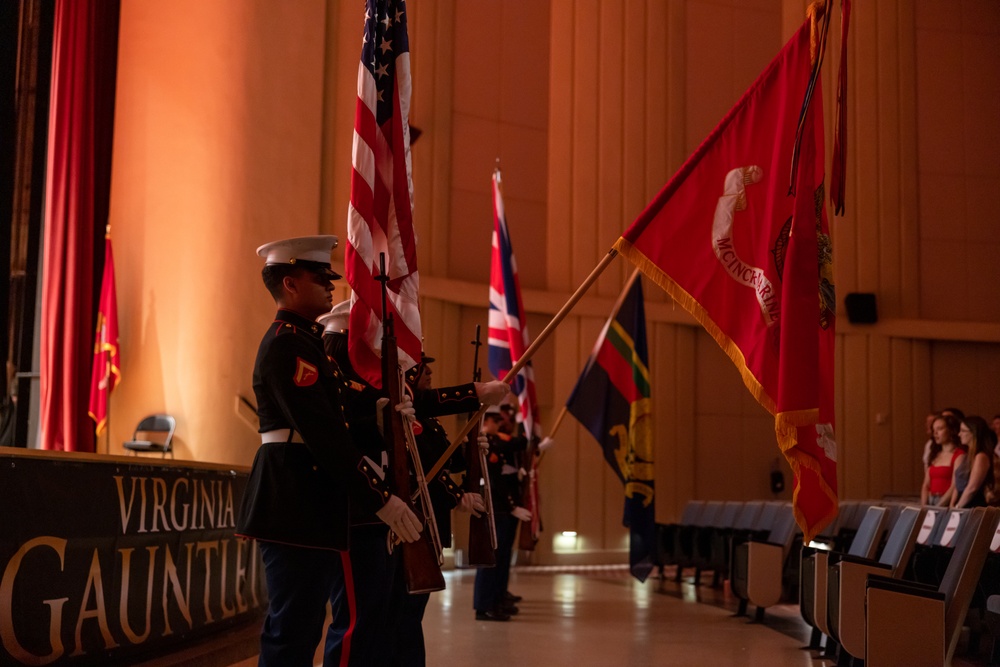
(890,255)
(610,166)
(965,377)
(852,421)
(217,150)
(664,395)
(590,469)
(560,144)
(864,24)
(957,69)
(880,452)
(906,421)
(584,196)
(433,53)
(559,477)
(923,400)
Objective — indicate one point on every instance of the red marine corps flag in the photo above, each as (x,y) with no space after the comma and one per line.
(106,372)
(739,238)
(380,215)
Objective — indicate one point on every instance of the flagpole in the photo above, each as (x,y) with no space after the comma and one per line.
(614,313)
(558,423)
(526,357)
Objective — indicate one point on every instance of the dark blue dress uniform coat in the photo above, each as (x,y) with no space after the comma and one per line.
(303,493)
(426,403)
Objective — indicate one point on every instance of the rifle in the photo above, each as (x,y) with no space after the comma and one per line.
(528,535)
(421,559)
(482,529)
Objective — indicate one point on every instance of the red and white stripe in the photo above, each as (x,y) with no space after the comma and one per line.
(380,220)
(508,337)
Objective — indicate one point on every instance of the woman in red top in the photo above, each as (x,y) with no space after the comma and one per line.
(937,488)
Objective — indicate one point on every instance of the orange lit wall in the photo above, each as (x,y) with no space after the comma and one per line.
(233,127)
(217,149)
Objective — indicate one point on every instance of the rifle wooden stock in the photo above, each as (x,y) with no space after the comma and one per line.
(527,537)
(421,559)
(482,529)
(482,535)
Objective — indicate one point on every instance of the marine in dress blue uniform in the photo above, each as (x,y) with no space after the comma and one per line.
(432,442)
(307,475)
(491,583)
(369,627)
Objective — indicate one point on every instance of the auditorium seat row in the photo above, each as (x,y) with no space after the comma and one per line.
(886,583)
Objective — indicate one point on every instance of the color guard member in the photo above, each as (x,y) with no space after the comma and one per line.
(368,627)
(446,495)
(307,475)
(491,582)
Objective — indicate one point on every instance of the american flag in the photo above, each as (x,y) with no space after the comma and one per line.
(508,330)
(380,215)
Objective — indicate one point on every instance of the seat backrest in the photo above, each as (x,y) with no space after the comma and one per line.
(899,544)
(727,517)
(851,523)
(765,520)
(949,528)
(844,507)
(869,533)
(157,424)
(747,517)
(894,510)
(691,512)
(961,579)
(708,515)
(784,528)
(845,513)
(933,519)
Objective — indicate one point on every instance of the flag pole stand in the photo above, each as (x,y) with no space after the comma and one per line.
(526,357)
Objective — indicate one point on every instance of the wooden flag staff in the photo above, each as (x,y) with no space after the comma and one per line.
(614,313)
(525,358)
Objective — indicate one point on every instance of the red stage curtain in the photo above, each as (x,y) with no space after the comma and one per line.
(81,119)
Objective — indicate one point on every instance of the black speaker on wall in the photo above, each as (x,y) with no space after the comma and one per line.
(861,308)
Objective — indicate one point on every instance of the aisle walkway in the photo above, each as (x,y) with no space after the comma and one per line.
(602,616)
(581,617)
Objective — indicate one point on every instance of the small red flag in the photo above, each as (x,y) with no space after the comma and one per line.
(106,372)
(753,263)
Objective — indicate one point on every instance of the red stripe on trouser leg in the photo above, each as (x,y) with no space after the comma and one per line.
(352,607)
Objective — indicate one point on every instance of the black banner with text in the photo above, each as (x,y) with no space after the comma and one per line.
(109,560)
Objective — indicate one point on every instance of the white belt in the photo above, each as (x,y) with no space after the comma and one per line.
(280,435)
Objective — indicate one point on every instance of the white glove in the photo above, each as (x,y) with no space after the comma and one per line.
(401,519)
(521,473)
(521,513)
(472,503)
(484,442)
(545,443)
(492,393)
(405,408)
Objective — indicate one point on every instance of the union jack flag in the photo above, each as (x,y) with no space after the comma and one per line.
(508,330)
(380,215)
